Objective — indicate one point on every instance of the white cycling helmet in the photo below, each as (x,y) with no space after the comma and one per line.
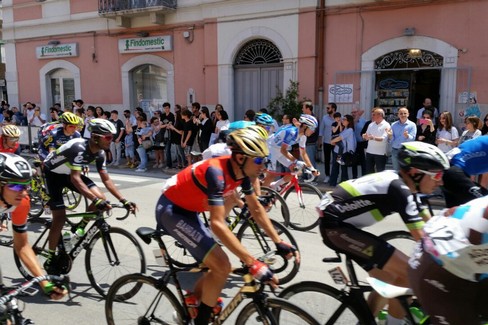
(309,121)
(101,127)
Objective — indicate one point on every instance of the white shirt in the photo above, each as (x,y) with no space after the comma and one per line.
(378,130)
(444,134)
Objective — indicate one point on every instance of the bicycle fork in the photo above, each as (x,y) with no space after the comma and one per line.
(108,245)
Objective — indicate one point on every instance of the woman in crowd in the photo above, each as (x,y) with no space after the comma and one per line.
(158,142)
(472,131)
(347,141)
(447,135)
(426,129)
(222,121)
(143,132)
(98,112)
(484,129)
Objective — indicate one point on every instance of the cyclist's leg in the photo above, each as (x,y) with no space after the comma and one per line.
(55,184)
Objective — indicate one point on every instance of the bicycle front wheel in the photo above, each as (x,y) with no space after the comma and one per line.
(261,247)
(303,214)
(71,198)
(6,234)
(112,255)
(276,311)
(278,209)
(140,299)
(325,303)
(36,202)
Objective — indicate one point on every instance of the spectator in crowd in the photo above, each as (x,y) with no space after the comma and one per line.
(90,115)
(311,145)
(325,136)
(106,115)
(347,141)
(249,115)
(222,121)
(129,144)
(359,124)
(447,135)
(19,117)
(213,116)
(472,131)
(98,112)
(77,105)
(176,133)
(116,145)
(54,114)
(376,136)
(158,142)
(401,131)
(132,119)
(37,118)
(428,106)
(188,135)
(195,109)
(167,119)
(484,129)
(206,128)
(143,133)
(286,121)
(426,129)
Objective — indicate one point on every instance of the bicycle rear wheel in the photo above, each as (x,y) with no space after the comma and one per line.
(325,303)
(255,240)
(140,299)
(303,216)
(180,256)
(36,202)
(71,198)
(277,311)
(116,254)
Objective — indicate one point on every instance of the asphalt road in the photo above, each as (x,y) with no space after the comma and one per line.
(86,307)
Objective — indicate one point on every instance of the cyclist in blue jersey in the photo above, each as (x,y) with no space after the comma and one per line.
(362,202)
(448,270)
(281,141)
(467,160)
(59,134)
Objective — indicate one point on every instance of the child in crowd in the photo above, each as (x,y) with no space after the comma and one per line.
(129,145)
(337,128)
(188,135)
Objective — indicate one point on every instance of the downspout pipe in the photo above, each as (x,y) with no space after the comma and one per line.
(320,76)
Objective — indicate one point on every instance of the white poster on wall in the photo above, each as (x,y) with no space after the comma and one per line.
(341,93)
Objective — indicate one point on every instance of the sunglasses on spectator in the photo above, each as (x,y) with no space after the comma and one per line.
(260,160)
(436,176)
(105,137)
(18,186)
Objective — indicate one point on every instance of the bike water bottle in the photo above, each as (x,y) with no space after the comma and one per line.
(80,232)
(382,316)
(418,314)
(192,304)
(218,307)
(67,241)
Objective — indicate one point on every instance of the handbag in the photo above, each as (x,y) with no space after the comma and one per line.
(147,143)
(349,158)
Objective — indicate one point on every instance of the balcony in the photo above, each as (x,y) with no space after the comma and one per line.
(109,8)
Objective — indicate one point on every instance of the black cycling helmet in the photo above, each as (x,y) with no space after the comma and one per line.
(421,155)
(223,136)
(14,168)
(101,127)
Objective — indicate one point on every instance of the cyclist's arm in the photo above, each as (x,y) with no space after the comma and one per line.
(284,151)
(109,184)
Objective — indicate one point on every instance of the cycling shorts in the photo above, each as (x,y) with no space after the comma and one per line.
(444,296)
(276,156)
(186,227)
(55,183)
(366,249)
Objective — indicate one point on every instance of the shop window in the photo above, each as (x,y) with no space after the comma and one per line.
(149,83)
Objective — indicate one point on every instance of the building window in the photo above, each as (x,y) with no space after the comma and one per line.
(409,59)
(149,83)
(258,52)
(62,88)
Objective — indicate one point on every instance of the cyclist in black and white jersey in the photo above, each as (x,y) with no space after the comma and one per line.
(362,202)
(63,168)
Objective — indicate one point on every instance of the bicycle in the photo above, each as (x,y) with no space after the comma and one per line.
(254,239)
(6,235)
(302,206)
(144,299)
(40,198)
(110,251)
(10,313)
(347,305)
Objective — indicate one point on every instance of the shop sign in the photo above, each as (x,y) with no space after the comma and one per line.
(341,93)
(145,44)
(57,51)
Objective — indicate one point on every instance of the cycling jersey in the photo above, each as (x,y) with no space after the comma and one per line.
(459,242)
(19,215)
(216,150)
(471,156)
(9,150)
(53,140)
(206,183)
(369,199)
(289,136)
(73,155)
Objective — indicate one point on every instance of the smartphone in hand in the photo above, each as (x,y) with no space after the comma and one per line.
(424,121)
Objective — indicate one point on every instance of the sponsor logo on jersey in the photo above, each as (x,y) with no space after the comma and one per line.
(354,205)
(472,155)
(56,160)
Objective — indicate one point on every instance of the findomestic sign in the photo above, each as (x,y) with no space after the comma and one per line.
(145,44)
(57,51)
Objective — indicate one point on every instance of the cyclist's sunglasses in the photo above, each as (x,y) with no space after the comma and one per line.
(107,137)
(436,176)
(260,160)
(13,139)
(19,186)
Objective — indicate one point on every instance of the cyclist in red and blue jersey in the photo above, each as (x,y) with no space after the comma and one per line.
(15,178)
(55,135)
(9,140)
(467,160)
(362,202)
(207,183)
(449,269)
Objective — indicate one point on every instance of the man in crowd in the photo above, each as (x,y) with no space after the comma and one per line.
(377,142)
(325,135)
(401,131)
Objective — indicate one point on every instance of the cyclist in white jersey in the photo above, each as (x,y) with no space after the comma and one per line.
(286,137)
(449,269)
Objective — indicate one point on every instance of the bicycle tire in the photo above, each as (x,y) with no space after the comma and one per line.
(38,238)
(101,272)
(304,218)
(259,244)
(6,235)
(279,211)
(278,311)
(326,304)
(180,256)
(72,199)
(132,296)
(36,203)
(401,240)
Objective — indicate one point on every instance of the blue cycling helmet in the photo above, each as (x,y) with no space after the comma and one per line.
(263,119)
(240,125)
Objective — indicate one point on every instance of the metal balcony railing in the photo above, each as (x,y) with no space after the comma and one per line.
(114,6)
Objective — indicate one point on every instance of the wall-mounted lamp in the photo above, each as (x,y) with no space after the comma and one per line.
(409,31)
(142,34)
(188,34)
(415,53)
(463,50)
(53,42)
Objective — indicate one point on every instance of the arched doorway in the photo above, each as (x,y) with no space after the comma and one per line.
(149,87)
(60,83)
(258,76)
(62,87)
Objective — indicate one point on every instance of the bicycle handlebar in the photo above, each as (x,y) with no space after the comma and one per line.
(121,206)
(58,280)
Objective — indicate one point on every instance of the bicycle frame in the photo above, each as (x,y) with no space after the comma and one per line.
(292,183)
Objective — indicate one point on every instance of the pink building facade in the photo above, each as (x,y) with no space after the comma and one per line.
(241,53)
